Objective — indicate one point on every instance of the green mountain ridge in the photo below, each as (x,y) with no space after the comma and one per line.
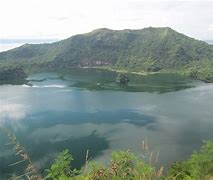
(145,50)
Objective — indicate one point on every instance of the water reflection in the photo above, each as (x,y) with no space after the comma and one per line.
(50,115)
(49,118)
(77,146)
(44,150)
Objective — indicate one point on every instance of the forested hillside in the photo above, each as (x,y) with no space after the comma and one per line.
(149,49)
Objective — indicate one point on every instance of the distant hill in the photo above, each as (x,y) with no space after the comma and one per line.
(149,49)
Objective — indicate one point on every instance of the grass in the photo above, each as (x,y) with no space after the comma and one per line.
(30,171)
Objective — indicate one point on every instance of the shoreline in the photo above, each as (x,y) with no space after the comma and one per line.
(120,70)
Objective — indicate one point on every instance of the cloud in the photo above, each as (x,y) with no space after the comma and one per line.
(210,27)
(68,17)
(60,18)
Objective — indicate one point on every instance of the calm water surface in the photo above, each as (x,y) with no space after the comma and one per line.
(86,110)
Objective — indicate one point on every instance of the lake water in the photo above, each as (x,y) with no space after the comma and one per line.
(87,110)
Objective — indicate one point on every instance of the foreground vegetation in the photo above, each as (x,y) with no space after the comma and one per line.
(127,166)
(124,165)
(198,166)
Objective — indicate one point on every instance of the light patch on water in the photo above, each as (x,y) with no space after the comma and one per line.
(13,105)
(45,86)
(148,108)
(65,90)
(126,120)
(13,112)
(204,88)
(27,86)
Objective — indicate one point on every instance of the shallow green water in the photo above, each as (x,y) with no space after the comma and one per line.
(87,110)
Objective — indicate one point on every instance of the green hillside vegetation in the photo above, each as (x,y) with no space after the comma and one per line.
(200,70)
(12,75)
(145,50)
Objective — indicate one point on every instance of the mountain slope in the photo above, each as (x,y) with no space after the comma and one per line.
(149,49)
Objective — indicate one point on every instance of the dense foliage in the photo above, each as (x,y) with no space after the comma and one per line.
(125,165)
(12,75)
(61,169)
(198,166)
(200,70)
(149,49)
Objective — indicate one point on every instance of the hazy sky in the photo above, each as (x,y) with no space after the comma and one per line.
(58,19)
